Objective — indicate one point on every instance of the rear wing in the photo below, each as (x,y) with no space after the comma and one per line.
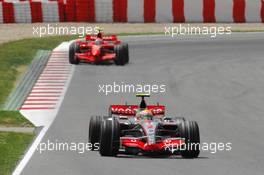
(105,38)
(130,110)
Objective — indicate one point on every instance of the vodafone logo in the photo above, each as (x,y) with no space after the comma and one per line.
(157,111)
(130,110)
(122,110)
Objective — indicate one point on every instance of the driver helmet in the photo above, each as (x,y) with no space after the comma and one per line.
(145,114)
(100,35)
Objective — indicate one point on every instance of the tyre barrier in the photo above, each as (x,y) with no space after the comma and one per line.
(142,11)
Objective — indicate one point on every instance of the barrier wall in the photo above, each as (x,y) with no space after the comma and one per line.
(85,10)
(31,11)
(70,10)
(147,11)
(1,13)
(22,12)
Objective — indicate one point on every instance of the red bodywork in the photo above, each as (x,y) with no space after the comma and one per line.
(93,51)
(169,144)
(130,110)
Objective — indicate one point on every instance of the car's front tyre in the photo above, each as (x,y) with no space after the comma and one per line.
(189,130)
(126,52)
(110,137)
(74,48)
(121,52)
(95,130)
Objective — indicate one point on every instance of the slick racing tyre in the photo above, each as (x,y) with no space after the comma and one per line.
(74,48)
(94,130)
(110,137)
(179,120)
(189,130)
(126,52)
(120,55)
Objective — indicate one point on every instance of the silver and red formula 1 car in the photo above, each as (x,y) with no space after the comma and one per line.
(99,49)
(144,129)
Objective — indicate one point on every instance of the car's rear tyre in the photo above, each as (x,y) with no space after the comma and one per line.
(179,119)
(74,48)
(110,137)
(120,55)
(189,130)
(95,130)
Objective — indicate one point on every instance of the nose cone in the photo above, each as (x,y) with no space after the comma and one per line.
(150,130)
(96,50)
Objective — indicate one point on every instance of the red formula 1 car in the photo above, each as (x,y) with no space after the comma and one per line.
(98,49)
(144,129)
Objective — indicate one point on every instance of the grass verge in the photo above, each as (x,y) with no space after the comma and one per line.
(13,119)
(16,54)
(12,146)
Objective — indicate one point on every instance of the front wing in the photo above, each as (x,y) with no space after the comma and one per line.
(170,144)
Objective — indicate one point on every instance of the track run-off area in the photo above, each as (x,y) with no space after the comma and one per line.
(217,82)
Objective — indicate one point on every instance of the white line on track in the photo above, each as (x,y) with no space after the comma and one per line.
(51,114)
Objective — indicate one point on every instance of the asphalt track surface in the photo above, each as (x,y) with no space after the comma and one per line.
(217,82)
